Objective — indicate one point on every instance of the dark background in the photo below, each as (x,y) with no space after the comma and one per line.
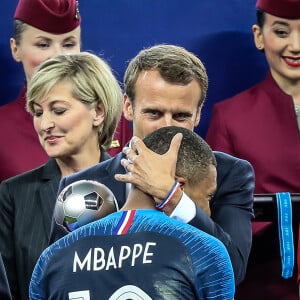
(217,31)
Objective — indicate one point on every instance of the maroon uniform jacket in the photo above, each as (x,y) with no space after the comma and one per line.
(20,149)
(122,136)
(260,125)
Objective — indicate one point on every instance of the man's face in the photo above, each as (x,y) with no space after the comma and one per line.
(203,191)
(159,104)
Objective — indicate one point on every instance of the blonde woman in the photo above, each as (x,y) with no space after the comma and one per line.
(42,29)
(76,103)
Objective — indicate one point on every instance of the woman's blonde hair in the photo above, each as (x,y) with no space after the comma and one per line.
(93,83)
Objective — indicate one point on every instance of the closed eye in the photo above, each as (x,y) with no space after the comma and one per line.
(281,33)
(43,45)
(59,111)
(37,113)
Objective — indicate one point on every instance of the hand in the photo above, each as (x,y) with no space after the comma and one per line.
(150,172)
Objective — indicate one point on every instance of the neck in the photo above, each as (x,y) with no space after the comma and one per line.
(75,163)
(289,86)
(138,199)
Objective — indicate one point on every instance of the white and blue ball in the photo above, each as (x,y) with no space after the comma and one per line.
(83,202)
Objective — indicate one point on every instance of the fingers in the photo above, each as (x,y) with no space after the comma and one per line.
(130,154)
(127,164)
(175,144)
(123,177)
(137,147)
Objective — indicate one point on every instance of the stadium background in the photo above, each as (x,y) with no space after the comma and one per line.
(217,31)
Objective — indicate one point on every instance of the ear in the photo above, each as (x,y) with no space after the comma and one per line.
(98,114)
(198,116)
(181,180)
(127,108)
(14,50)
(258,37)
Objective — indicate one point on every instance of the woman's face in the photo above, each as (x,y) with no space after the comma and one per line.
(280,39)
(36,46)
(65,125)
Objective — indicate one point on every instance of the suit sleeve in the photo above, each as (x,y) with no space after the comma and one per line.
(7,247)
(232,212)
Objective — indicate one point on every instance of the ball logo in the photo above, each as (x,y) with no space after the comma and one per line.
(83,202)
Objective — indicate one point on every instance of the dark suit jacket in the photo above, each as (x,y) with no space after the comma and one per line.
(4,288)
(231,207)
(26,206)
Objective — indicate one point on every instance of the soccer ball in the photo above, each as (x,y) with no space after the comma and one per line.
(83,202)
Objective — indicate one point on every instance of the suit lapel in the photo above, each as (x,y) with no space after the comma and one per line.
(47,193)
(113,167)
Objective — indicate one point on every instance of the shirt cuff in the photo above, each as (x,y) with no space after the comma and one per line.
(185,210)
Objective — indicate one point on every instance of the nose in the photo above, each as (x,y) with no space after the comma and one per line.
(295,42)
(57,50)
(47,123)
(167,121)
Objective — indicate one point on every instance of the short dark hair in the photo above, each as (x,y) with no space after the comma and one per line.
(260,17)
(19,28)
(194,156)
(175,64)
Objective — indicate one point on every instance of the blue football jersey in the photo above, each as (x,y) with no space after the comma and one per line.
(135,254)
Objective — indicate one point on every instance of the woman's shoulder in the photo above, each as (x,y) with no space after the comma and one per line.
(31,175)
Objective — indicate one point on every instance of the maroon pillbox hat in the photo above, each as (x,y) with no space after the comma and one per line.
(53,16)
(288,9)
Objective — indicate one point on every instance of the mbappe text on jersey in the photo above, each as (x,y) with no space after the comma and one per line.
(98,259)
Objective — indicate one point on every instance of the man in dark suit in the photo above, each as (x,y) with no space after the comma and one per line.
(166,85)
(199,266)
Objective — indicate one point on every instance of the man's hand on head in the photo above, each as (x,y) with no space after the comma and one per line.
(151,172)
